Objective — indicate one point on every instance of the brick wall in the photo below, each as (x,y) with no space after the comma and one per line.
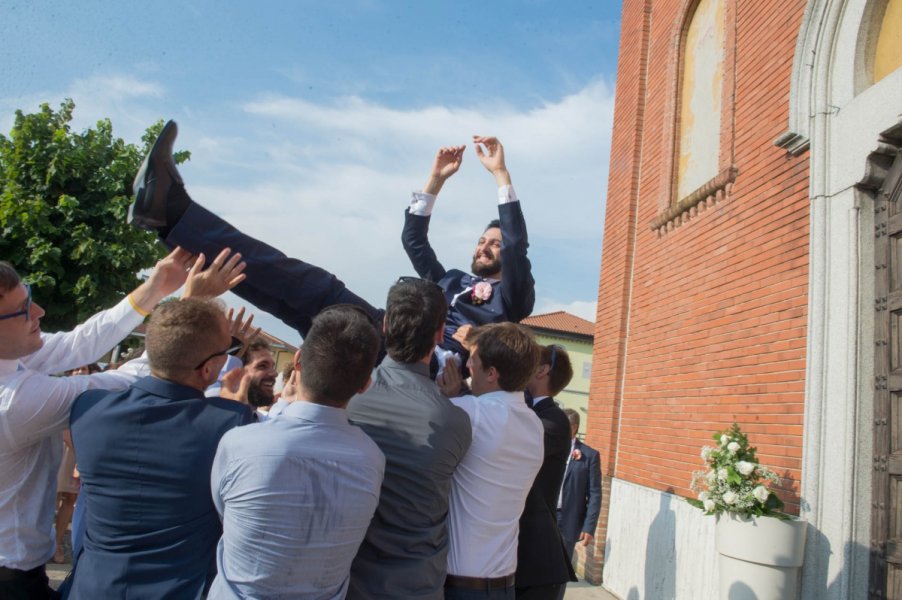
(703,324)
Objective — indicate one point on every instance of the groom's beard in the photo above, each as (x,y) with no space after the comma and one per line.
(257,396)
(489,269)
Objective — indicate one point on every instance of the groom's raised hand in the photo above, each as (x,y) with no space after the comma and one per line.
(447,162)
(491,155)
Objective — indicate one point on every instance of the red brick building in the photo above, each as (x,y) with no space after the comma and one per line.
(748,275)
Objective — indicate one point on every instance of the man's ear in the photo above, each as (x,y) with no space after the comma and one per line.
(297,359)
(543,372)
(492,375)
(439,334)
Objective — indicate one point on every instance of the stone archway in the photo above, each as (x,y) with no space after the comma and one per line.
(839,124)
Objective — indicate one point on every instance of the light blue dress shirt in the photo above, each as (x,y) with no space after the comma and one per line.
(296,495)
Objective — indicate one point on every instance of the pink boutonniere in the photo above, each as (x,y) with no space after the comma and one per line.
(482,291)
(576,454)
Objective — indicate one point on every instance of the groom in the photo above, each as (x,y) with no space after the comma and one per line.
(500,288)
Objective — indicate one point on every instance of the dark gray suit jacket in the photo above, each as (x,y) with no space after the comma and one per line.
(423,437)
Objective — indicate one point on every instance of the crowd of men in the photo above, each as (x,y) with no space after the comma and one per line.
(416,451)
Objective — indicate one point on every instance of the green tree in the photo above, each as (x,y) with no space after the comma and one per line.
(64,197)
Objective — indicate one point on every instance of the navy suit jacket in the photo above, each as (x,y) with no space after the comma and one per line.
(512,298)
(581,495)
(542,558)
(145,456)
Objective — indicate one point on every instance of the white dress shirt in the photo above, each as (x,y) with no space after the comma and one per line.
(490,485)
(34,409)
(421,203)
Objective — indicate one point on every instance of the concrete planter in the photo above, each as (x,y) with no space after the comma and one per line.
(760,557)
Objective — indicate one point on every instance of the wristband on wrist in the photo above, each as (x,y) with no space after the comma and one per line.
(137,308)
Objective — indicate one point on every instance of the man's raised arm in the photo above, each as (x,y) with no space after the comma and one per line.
(517,283)
(414,237)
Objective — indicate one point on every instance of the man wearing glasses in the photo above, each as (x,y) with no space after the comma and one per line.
(145,456)
(34,410)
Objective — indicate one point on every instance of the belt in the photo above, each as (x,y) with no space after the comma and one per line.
(8,575)
(479,583)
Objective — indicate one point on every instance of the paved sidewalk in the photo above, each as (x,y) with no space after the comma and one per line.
(582,590)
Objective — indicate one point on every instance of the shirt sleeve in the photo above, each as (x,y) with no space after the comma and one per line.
(421,204)
(470,405)
(507,194)
(86,343)
(37,405)
(222,473)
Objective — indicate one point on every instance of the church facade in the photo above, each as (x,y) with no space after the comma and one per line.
(752,273)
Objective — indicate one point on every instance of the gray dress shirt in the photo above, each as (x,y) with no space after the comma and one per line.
(424,437)
(296,495)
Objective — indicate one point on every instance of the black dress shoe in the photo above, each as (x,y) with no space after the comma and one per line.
(154,181)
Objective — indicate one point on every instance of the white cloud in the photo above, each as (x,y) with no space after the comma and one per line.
(580,308)
(328,182)
(129,103)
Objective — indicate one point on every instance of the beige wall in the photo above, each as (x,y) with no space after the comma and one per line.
(576,394)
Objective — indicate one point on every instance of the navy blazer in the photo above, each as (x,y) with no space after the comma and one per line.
(145,456)
(512,298)
(542,558)
(581,495)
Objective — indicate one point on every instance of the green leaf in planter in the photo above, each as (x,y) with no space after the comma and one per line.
(773,504)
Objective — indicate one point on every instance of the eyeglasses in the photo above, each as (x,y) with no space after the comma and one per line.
(232,350)
(25,311)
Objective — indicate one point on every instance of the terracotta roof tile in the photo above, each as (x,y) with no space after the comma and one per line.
(561,321)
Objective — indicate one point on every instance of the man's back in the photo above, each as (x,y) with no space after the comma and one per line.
(144,455)
(490,486)
(541,557)
(296,494)
(424,437)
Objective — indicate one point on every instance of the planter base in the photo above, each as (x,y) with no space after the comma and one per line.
(760,558)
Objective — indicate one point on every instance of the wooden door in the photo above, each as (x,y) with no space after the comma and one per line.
(886,524)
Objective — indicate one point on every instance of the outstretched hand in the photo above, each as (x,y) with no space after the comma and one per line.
(235,384)
(241,329)
(491,155)
(224,273)
(168,275)
(450,381)
(447,162)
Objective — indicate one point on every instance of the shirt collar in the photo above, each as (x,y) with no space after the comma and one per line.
(514,398)
(308,411)
(417,367)
(8,366)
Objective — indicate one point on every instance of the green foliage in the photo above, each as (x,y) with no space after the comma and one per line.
(734,481)
(63,203)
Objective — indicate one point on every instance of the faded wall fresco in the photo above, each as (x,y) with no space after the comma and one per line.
(700,98)
(888,50)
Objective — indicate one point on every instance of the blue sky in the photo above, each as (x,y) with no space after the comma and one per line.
(311,122)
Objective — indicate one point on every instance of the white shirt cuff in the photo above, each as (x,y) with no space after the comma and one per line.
(507,194)
(421,204)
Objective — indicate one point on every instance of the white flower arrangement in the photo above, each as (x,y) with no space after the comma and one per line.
(734,481)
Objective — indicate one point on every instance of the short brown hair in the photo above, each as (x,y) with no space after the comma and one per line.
(556,357)
(572,416)
(182,333)
(415,310)
(8,277)
(257,344)
(512,350)
(338,355)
